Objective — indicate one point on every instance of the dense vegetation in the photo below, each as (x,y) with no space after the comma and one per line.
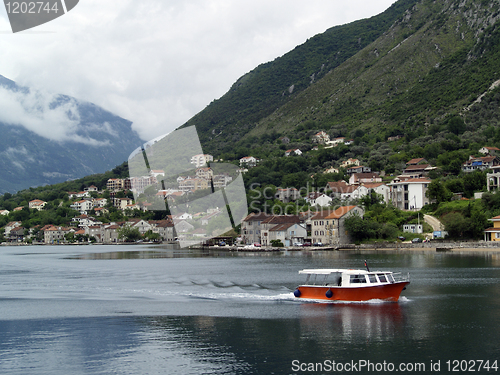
(258,93)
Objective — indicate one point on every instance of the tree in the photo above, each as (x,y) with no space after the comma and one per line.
(372,198)
(455,224)
(152,236)
(70,237)
(276,243)
(129,234)
(360,229)
(437,192)
(456,125)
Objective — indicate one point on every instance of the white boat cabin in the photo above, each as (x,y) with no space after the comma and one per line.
(349,278)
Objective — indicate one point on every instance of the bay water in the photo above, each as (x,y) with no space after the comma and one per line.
(142,309)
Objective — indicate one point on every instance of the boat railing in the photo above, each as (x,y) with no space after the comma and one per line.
(399,277)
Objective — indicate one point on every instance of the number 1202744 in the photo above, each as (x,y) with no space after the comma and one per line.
(32,7)
(471,365)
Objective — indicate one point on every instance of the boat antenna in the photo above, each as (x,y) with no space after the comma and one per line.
(366,265)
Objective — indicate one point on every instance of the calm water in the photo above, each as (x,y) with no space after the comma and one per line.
(139,310)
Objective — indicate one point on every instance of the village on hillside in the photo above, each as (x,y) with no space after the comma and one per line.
(322,224)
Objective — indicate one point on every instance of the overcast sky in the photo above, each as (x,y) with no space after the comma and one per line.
(159,62)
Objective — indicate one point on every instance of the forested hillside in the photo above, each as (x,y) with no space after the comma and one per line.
(258,93)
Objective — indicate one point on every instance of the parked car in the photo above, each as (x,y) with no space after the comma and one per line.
(297,244)
(317,244)
(257,244)
(306,244)
(401,238)
(416,240)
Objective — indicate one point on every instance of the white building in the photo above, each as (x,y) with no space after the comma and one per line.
(84,206)
(413,228)
(201,160)
(248,161)
(288,233)
(322,200)
(409,194)
(294,151)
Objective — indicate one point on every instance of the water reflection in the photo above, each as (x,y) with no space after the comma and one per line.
(373,321)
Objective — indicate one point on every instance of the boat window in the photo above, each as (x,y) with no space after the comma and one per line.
(356,279)
(372,278)
(382,278)
(391,278)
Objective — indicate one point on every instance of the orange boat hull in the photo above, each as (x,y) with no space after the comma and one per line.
(386,292)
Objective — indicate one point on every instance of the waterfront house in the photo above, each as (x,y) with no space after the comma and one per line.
(273,221)
(493,233)
(328,226)
(251,227)
(288,233)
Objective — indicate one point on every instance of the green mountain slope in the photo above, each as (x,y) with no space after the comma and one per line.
(436,60)
(258,93)
(419,74)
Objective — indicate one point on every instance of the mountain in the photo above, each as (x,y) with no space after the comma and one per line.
(258,93)
(48,139)
(424,70)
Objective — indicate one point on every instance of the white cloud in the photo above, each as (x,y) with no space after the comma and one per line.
(37,111)
(159,62)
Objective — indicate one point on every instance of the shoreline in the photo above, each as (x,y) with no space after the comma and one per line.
(471,247)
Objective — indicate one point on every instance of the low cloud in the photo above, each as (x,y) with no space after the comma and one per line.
(45,115)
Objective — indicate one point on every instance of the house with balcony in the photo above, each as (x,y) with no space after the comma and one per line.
(409,194)
(248,161)
(201,160)
(493,179)
(205,173)
(358,169)
(83,206)
(363,178)
(480,163)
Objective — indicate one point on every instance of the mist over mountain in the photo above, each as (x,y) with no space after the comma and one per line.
(50,138)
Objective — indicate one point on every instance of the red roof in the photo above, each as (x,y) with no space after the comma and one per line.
(341,211)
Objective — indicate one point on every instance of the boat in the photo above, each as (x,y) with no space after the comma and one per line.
(351,285)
